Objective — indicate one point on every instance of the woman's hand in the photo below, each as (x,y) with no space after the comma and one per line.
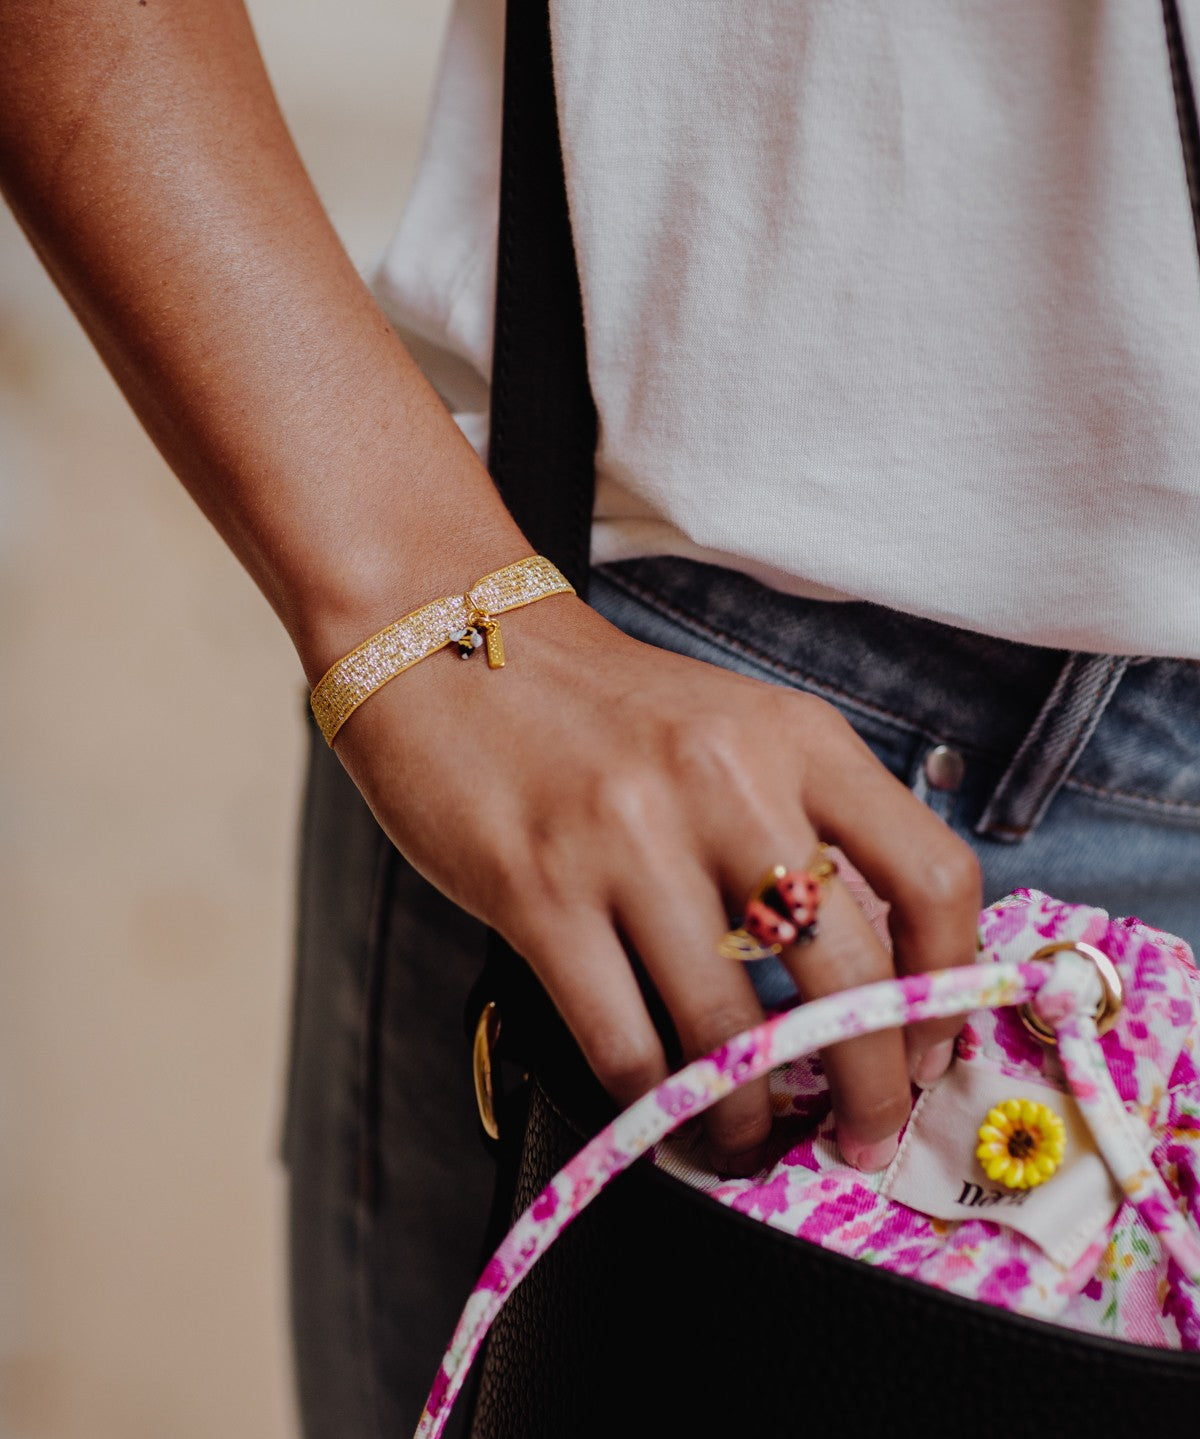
(598,791)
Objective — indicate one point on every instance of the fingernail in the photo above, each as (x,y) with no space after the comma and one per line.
(737,1166)
(929,1067)
(870,1157)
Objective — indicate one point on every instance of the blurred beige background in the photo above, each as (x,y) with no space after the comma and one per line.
(149,781)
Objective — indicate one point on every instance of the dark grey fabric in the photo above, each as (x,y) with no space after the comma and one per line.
(390,1184)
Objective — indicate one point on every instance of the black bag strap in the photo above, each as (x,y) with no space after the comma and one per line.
(541,445)
(1185,106)
(542,430)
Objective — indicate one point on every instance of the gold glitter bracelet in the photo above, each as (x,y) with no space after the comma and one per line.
(466,621)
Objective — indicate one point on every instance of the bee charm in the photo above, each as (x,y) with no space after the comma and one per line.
(466,641)
(483,630)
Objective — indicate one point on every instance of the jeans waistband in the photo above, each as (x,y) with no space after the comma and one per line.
(1031,710)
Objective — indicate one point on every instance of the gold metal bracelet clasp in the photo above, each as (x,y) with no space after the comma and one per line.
(1111,998)
(493,641)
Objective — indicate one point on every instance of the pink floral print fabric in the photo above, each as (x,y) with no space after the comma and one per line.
(1124,1285)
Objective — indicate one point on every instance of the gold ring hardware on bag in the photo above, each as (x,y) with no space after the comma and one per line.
(1109,1005)
(487,1032)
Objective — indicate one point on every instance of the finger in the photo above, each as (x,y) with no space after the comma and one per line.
(673,920)
(874,909)
(868,1077)
(586,972)
(914,861)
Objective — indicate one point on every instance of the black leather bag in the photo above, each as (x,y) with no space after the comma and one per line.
(661,1312)
(655,1279)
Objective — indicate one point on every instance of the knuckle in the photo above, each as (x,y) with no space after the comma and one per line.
(625,801)
(716,1023)
(709,752)
(829,746)
(951,878)
(821,720)
(627,1065)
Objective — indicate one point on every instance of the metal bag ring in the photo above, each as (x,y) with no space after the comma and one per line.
(1109,1004)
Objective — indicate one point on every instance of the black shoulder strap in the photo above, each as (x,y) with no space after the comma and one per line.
(542,435)
(541,445)
(1185,105)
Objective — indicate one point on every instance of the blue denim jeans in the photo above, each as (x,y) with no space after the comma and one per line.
(1075,774)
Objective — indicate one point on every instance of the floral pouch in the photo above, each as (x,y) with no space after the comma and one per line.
(1053,1171)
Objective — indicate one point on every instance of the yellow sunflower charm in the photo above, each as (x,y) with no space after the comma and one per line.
(1021,1143)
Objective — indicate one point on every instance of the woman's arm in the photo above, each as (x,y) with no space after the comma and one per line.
(144,154)
(594,793)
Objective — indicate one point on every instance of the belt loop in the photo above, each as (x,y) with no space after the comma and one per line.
(1055,741)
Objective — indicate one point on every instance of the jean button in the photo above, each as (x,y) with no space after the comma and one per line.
(944,767)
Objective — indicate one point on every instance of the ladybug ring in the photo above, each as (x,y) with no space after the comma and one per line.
(782,910)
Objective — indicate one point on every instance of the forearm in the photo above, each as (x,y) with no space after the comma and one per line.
(143,152)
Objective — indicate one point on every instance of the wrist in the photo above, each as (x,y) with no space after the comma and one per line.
(465,622)
(357,589)
(424,716)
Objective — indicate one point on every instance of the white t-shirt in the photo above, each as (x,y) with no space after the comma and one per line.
(890,301)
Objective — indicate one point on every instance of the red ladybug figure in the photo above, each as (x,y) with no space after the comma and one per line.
(801,894)
(782,911)
(771,929)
